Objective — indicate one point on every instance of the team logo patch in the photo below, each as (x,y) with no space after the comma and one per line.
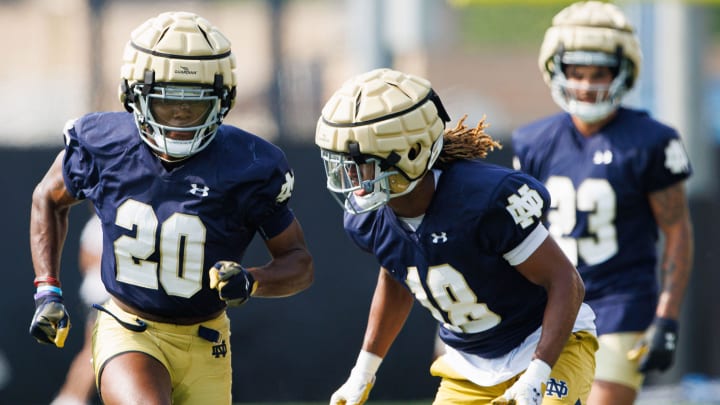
(219,350)
(676,159)
(557,388)
(287,188)
(525,206)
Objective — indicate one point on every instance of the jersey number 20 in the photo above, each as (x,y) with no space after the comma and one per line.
(182,240)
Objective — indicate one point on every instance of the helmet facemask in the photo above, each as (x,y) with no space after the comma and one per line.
(195,110)
(607,97)
(379,180)
(346,178)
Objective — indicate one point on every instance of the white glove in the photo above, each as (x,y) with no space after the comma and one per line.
(528,389)
(356,389)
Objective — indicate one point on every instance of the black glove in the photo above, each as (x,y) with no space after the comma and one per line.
(656,350)
(233,282)
(51,322)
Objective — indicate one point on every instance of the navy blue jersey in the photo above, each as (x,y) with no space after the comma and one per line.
(600,214)
(457,261)
(164,228)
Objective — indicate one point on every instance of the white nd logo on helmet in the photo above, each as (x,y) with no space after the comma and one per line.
(180,58)
(388,118)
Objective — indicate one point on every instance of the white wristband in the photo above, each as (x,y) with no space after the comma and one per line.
(538,370)
(367,362)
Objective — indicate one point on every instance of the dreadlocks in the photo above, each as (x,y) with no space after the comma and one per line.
(463,143)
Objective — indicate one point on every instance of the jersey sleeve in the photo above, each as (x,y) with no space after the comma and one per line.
(79,169)
(359,228)
(667,163)
(269,207)
(519,152)
(513,226)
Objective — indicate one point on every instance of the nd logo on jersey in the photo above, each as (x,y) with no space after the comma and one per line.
(676,159)
(287,188)
(525,206)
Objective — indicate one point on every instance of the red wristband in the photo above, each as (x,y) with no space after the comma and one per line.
(46,279)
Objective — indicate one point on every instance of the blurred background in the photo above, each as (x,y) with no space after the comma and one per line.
(61,59)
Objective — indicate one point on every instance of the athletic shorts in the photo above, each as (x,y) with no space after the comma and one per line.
(570,378)
(613,364)
(200,369)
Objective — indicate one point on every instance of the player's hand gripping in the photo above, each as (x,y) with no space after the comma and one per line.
(233,282)
(357,388)
(51,322)
(528,389)
(656,350)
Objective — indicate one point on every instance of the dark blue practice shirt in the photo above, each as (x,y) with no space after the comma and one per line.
(164,229)
(601,214)
(453,263)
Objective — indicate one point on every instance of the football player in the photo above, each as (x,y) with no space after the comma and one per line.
(180,197)
(461,236)
(615,176)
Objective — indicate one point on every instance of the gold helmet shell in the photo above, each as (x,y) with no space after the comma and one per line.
(387,114)
(590,26)
(178,47)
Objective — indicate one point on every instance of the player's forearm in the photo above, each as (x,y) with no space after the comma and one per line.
(564,300)
(51,204)
(48,229)
(284,276)
(672,215)
(389,310)
(675,269)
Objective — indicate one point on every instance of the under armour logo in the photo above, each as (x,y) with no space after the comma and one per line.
(287,188)
(558,388)
(536,397)
(219,350)
(676,159)
(669,341)
(438,237)
(199,191)
(525,206)
(602,157)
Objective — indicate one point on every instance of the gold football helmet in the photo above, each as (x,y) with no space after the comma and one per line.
(177,75)
(378,135)
(590,33)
